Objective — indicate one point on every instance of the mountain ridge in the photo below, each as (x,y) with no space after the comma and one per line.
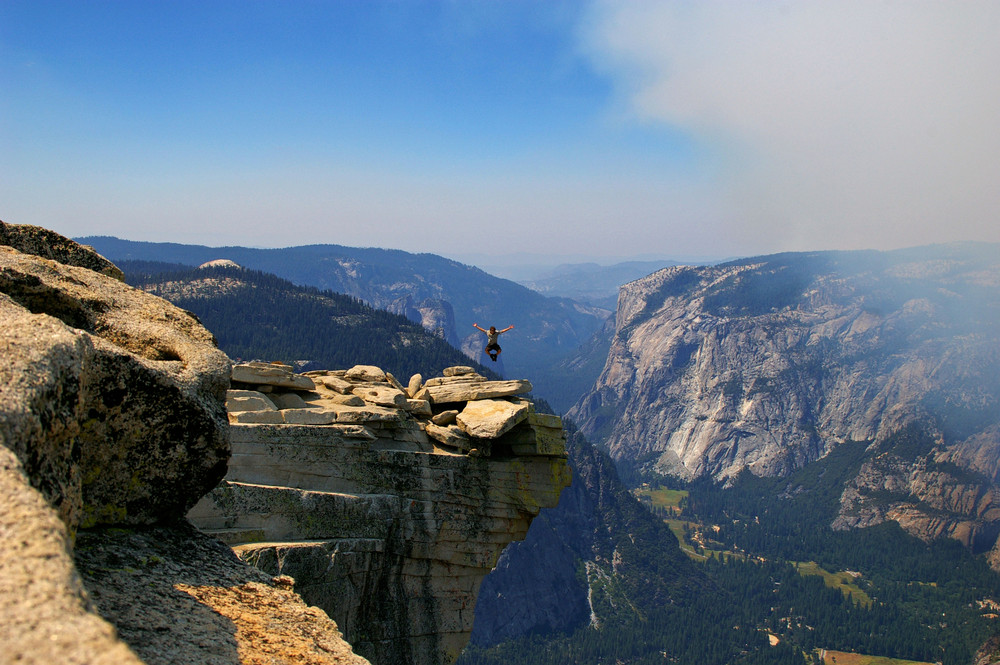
(768,363)
(545,328)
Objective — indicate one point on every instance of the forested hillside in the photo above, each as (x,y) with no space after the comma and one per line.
(546,329)
(258,316)
(768,582)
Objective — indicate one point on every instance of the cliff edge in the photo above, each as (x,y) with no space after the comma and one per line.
(387,504)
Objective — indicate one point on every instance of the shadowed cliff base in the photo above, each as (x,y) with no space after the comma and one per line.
(176,596)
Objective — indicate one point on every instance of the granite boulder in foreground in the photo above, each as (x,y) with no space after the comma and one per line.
(112,425)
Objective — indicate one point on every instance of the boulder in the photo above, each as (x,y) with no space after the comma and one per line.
(382,396)
(271,374)
(490,418)
(451,380)
(288,401)
(394,382)
(112,399)
(346,400)
(458,370)
(449,435)
(337,384)
(445,417)
(413,387)
(419,407)
(464,392)
(248,400)
(368,414)
(365,373)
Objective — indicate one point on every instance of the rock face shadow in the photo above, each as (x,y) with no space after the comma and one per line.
(132,578)
(177,596)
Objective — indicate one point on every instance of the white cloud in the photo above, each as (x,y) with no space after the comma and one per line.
(843,124)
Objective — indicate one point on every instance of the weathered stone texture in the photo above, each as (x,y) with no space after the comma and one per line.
(177,596)
(465,391)
(387,524)
(45,616)
(36,241)
(112,413)
(271,374)
(110,397)
(490,418)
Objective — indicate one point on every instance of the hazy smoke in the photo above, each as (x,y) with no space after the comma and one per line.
(838,124)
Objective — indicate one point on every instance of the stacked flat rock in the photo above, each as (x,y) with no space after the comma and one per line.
(363,482)
(461,411)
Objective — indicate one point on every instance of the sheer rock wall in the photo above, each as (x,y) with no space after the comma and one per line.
(390,508)
(767,364)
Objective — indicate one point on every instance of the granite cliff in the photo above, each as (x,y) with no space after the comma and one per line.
(387,504)
(768,363)
(113,425)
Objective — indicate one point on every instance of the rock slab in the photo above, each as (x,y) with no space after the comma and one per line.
(491,418)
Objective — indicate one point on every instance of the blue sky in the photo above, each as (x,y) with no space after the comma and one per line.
(602,129)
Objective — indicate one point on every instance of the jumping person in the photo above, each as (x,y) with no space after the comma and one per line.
(492,348)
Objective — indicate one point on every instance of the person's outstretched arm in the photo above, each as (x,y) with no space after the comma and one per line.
(476,325)
(510,327)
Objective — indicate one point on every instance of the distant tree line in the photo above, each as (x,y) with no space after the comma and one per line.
(258,316)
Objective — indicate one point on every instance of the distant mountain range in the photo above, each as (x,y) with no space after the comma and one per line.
(258,316)
(430,289)
(592,283)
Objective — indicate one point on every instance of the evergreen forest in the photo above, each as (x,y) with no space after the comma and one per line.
(259,316)
(776,584)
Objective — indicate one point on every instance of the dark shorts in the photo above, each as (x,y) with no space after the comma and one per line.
(492,347)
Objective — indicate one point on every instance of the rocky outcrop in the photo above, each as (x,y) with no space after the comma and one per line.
(36,241)
(989,653)
(769,363)
(112,397)
(387,504)
(434,314)
(111,415)
(909,478)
